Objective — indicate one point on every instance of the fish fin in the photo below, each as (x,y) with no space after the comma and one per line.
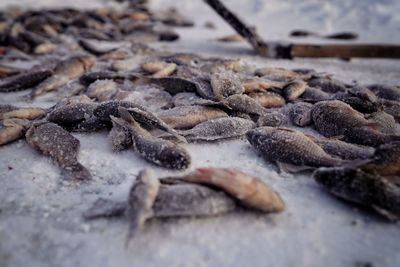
(77,173)
(124,114)
(387,214)
(104,208)
(291,168)
(373,125)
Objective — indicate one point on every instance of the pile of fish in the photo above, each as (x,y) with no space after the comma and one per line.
(104,77)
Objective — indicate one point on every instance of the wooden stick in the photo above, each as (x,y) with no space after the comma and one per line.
(241,28)
(288,51)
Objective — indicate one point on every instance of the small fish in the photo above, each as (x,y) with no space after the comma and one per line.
(386,122)
(188,199)
(357,103)
(12,129)
(391,107)
(91,77)
(233,38)
(23,113)
(141,199)
(343,150)
(245,104)
(45,48)
(185,117)
(300,114)
(180,199)
(64,72)
(246,189)
(104,110)
(172,85)
(24,80)
(288,146)
(285,73)
(71,114)
(268,99)
(159,69)
(161,152)
(335,118)
(272,119)
(119,136)
(225,84)
(385,91)
(260,85)
(102,90)
(152,121)
(327,85)
(313,94)
(294,90)
(382,194)
(50,139)
(97,47)
(386,160)
(216,129)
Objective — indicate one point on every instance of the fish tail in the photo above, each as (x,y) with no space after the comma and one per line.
(77,172)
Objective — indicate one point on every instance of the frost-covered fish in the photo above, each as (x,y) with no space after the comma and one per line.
(386,122)
(216,129)
(385,91)
(141,199)
(29,113)
(260,85)
(327,84)
(344,150)
(391,107)
(268,99)
(300,114)
(225,84)
(161,152)
(102,90)
(64,72)
(272,119)
(120,137)
(185,117)
(294,90)
(335,118)
(313,94)
(24,80)
(385,161)
(52,140)
(288,146)
(380,193)
(245,104)
(12,129)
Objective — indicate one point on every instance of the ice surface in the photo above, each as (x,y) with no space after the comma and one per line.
(41,220)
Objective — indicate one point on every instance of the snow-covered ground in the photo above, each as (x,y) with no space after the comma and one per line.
(40,216)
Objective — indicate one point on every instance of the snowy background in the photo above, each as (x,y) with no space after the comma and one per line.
(40,216)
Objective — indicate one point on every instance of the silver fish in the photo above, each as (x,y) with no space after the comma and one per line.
(217,129)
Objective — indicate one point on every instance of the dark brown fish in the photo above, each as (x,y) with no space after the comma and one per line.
(328,85)
(386,122)
(141,200)
(335,118)
(370,190)
(313,94)
(386,160)
(385,91)
(24,80)
(119,136)
(284,145)
(300,114)
(52,140)
(161,152)
(225,84)
(344,150)
(272,119)
(110,108)
(391,107)
(71,114)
